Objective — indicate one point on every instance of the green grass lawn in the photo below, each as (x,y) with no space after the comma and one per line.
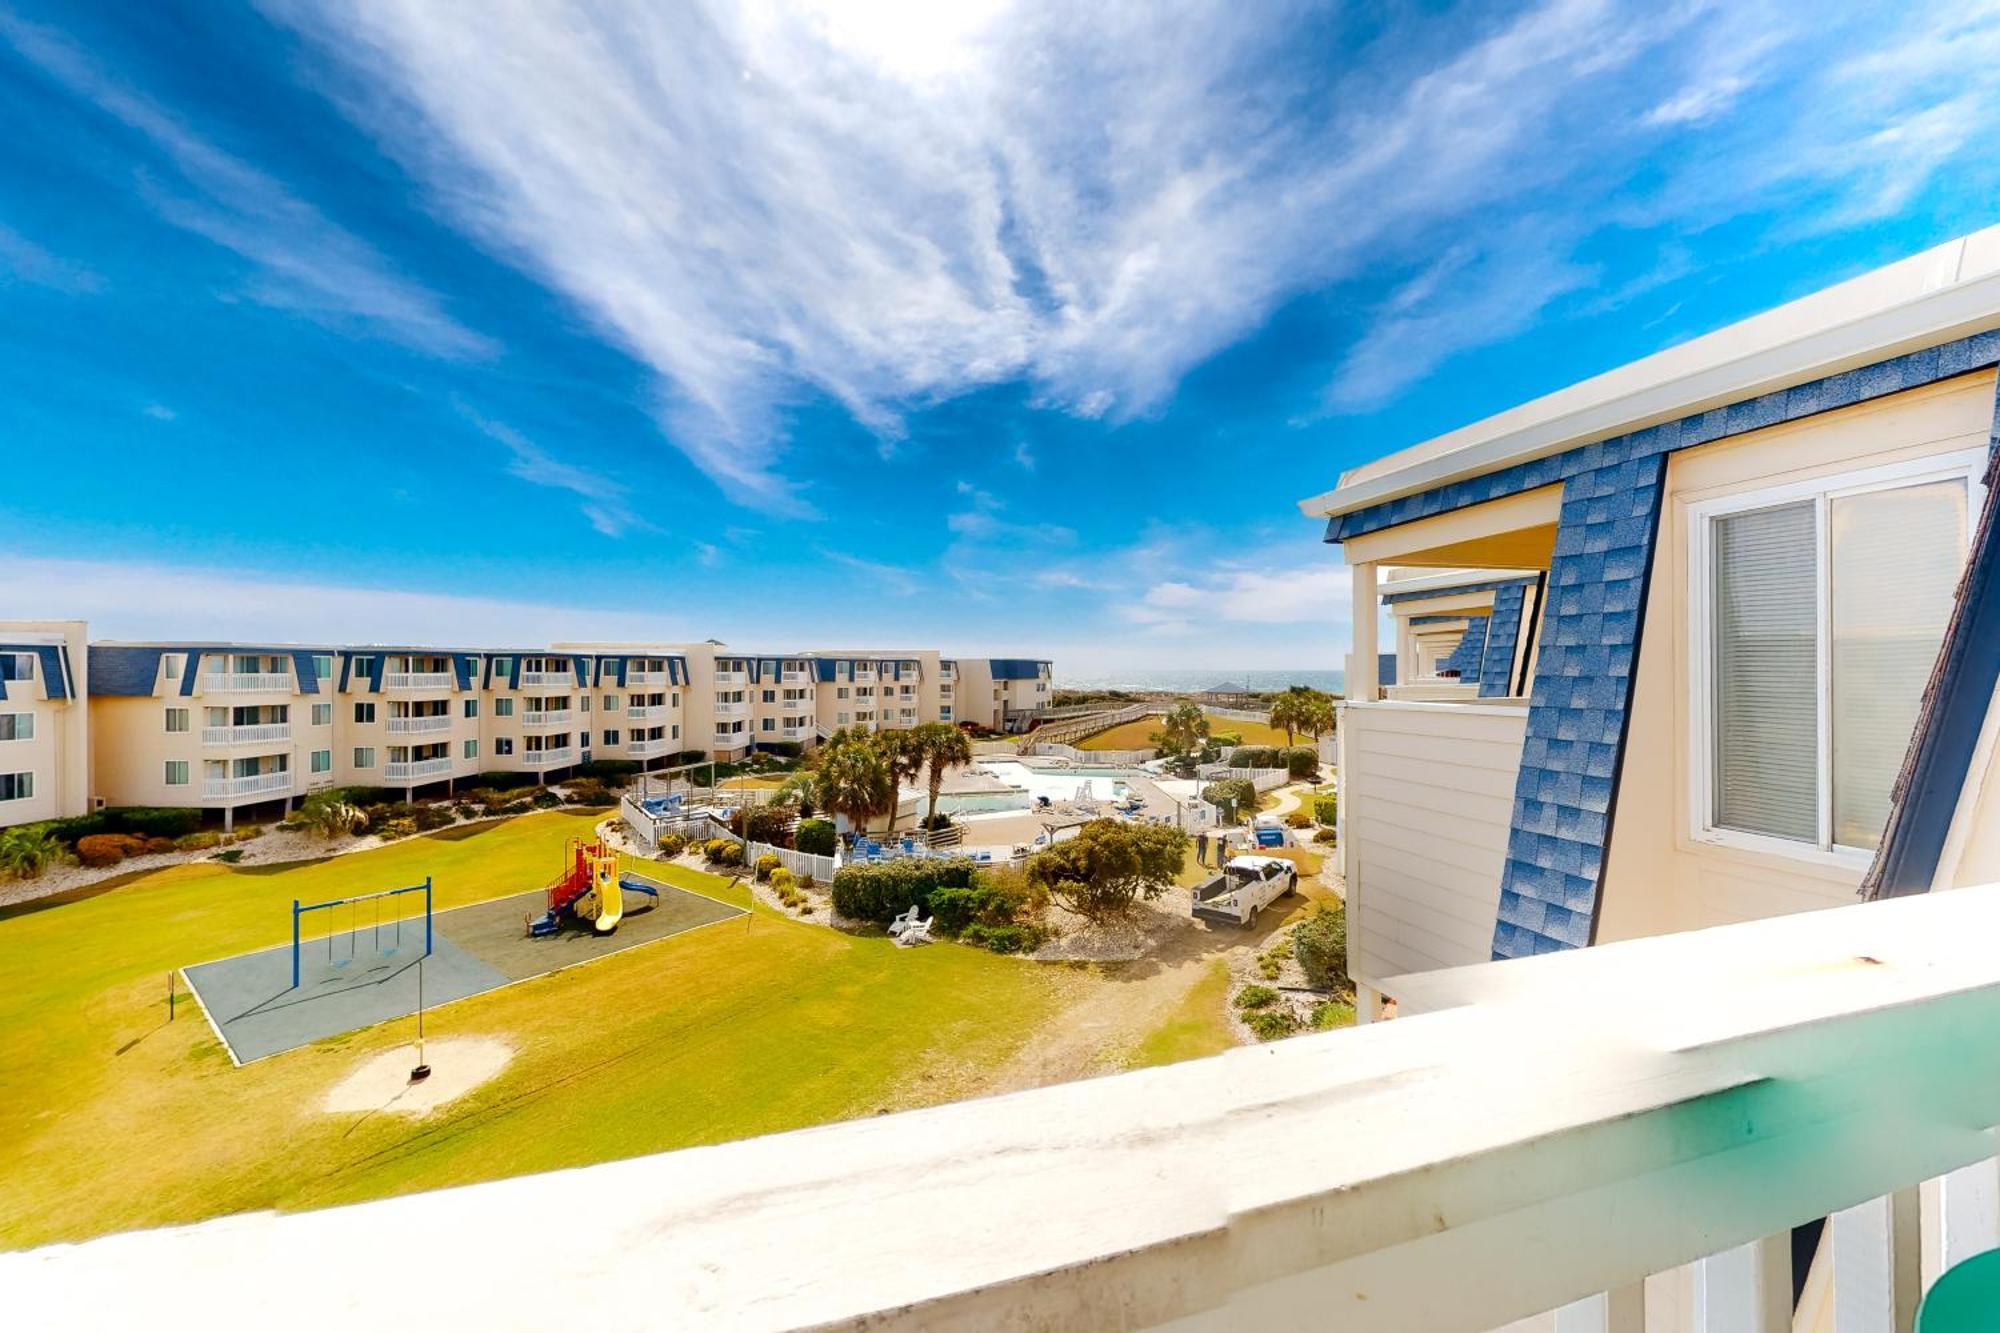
(1196,1027)
(1134,735)
(114,1119)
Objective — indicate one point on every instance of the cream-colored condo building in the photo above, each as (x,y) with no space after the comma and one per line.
(225,726)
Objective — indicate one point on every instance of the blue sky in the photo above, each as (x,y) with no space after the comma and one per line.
(1016,328)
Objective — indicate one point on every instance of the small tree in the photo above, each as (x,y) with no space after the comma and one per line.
(27,851)
(852,777)
(943,747)
(904,752)
(330,816)
(1319,943)
(1108,866)
(1231,796)
(1301,709)
(1183,738)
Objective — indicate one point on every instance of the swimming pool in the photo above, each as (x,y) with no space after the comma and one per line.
(1102,784)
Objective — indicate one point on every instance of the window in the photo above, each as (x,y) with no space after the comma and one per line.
(586,703)
(322,715)
(16,786)
(503,708)
(472,749)
(770,696)
(17,726)
(584,740)
(364,713)
(770,724)
(503,745)
(472,708)
(611,738)
(364,667)
(364,756)
(840,692)
(322,761)
(944,712)
(677,731)
(677,699)
(177,772)
(177,719)
(171,663)
(323,665)
(610,703)
(1819,610)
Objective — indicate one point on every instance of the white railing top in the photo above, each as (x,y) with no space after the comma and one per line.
(417,680)
(248,733)
(1582,1121)
(247,681)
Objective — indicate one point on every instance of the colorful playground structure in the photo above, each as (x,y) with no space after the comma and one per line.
(589,889)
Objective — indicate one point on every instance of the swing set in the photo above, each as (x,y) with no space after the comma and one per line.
(363,922)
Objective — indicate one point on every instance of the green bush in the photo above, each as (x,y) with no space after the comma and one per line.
(1003,939)
(781,880)
(815,836)
(1329,1014)
(940,820)
(429,817)
(586,791)
(761,823)
(766,864)
(808,882)
(545,800)
(1302,762)
(199,842)
(1256,997)
(230,856)
(1320,944)
(1271,1024)
(1234,796)
(672,844)
(878,892)
(68,831)
(464,810)
(153,821)
(396,828)
(1326,808)
(723,852)
(27,851)
(1225,739)
(611,772)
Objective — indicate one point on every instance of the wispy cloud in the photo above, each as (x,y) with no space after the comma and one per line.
(304,260)
(22,260)
(893,579)
(604,500)
(158,412)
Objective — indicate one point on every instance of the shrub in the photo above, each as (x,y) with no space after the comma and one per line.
(1257,756)
(723,852)
(673,844)
(766,865)
(158,846)
(107,849)
(1226,738)
(545,800)
(935,822)
(464,810)
(1298,819)
(1327,835)
(1332,1014)
(995,898)
(878,892)
(808,882)
(1271,1024)
(815,836)
(380,813)
(586,791)
(610,772)
(69,831)
(1256,997)
(1301,762)
(27,851)
(1326,808)
(230,856)
(1003,939)
(1320,945)
(1108,865)
(153,821)
(782,881)
(198,842)
(761,823)
(430,817)
(1233,796)
(396,828)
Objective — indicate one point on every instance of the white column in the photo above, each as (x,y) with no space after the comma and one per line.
(1619,1311)
(1961,1217)
(1364,664)
(1367,1003)
(1877,1277)
(1747,1289)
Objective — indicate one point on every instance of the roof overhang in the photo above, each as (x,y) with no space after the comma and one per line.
(1948,292)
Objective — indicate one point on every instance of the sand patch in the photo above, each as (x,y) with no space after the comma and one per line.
(382,1082)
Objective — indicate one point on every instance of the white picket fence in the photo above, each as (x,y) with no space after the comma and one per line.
(649,829)
(1263,779)
(1108,758)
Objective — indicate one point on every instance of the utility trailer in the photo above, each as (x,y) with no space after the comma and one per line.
(1246,886)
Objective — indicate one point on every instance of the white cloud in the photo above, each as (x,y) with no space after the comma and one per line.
(892,579)
(306,262)
(158,412)
(1313,595)
(23,260)
(604,502)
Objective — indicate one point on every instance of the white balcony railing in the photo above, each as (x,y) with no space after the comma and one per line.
(796,733)
(731,739)
(1561,1129)
(417,680)
(534,678)
(794,678)
(864,677)
(247,682)
(641,749)
(258,734)
(645,677)
(553,717)
(641,712)
(432,722)
(414,770)
(738,708)
(732,678)
(257,784)
(547,758)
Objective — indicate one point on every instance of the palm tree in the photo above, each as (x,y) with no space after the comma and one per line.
(329,816)
(26,851)
(800,788)
(1184,730)
(943,746)
(905,756)
(852,777)
(1302,709)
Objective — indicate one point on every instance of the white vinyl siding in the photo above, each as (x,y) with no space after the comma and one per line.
(1819,613)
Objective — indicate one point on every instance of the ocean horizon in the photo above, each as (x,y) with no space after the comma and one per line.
(1194,680)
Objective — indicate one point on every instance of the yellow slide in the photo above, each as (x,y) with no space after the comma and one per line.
(604,887)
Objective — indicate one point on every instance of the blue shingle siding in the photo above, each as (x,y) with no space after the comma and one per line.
(51,662)
(1015,668)
(1503,642)
(1435,620)
(1471,648)
(126,672)
(376,663)
(190,672)
(1803,400)
(580,665)
(1385,668)
(463,666)
(305,673)
(1577,714)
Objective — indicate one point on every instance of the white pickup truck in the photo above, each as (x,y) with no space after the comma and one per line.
(1246,886)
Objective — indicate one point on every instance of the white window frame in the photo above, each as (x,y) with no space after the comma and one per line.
(1968,465)
(182,767)
(23,724)
(24,785)
(364,756)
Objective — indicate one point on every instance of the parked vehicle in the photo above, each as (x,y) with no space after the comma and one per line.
(1246,886)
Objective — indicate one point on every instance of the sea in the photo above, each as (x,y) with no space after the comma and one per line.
(1183,680)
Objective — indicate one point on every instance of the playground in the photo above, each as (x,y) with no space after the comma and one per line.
(355,962)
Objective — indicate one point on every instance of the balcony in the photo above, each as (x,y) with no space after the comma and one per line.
(553,717)
(268,733)
(863,677)
(729,740)
(1544,1137)
(416,770)
(645,677)
(740,708)
(794,678)
(258,784)
(643,749)
(397,682)
(429,722)
(796,732)
(548,758)
(247,682)
(643,712)
(797,701)
(732,678)
(563,679)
